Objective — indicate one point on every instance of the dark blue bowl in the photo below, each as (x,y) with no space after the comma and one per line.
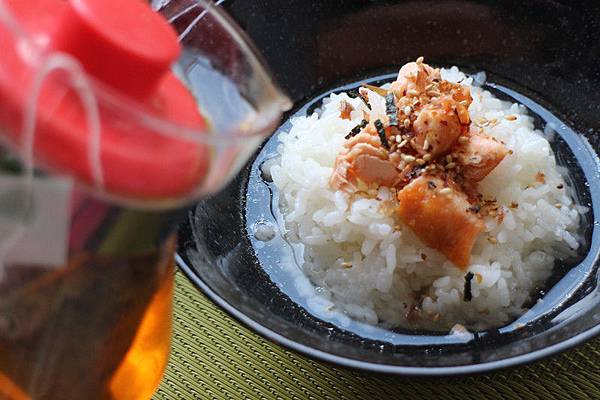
(541,53)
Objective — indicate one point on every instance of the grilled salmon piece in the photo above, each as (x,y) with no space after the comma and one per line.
(439,214)
(436,129)
(365,160)
(414,76)
(479,156)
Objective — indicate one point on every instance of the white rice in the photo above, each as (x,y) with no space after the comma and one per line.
(391,270)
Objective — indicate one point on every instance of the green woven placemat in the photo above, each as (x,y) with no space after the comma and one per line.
(214,357)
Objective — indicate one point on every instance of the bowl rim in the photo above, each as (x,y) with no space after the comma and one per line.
(320,355)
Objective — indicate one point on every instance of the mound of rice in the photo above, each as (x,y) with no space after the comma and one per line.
(379,272)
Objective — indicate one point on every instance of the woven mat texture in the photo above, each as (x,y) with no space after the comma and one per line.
(215,357)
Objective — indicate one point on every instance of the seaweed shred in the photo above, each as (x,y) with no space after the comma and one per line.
(356,130)
(391,109)
(468,294)
(366,102)
(381,133)
(352,93)
(362,97)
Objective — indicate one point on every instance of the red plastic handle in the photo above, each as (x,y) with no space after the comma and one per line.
(121,42)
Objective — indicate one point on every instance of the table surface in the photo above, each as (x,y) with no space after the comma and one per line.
(215,357)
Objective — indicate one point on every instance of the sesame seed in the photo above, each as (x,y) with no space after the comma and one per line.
(464,102)
(558,205)
(420,60)
(482,122)
(430,167)
(445,191)
(426,145)
(449,158)
(451,165)
(492,240)
(412,92)
(510,117)
(408,158)
(433,93)
(403,143)
(440,167)
(427,157)
(407,110)
(392,138)
(420,161)
(463,139)
(406,123)
(398,138)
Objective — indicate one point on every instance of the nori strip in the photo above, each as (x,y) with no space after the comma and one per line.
(356,130)
(363,99)
(468,294)
(381,133)
(353,93)
(391,110)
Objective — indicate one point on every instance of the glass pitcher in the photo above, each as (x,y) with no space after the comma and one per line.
(107,131)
